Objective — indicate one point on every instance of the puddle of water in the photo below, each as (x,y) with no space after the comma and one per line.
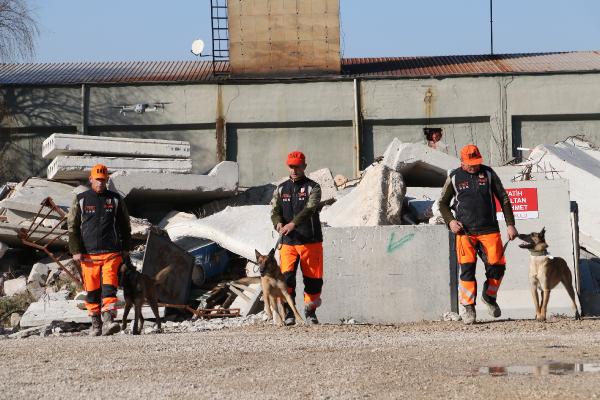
(541,370)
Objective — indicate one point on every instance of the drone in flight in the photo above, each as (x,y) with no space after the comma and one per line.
(140,108)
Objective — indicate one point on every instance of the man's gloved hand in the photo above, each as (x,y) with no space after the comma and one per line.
(77,257)
(456,226)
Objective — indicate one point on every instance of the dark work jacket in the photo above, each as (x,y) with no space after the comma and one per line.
(474,200)
(98,223)
(298,201)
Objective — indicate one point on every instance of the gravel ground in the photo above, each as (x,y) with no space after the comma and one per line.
(420,360)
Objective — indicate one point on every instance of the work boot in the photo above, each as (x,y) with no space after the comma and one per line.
(290,319)
(469,315)
(96,329)
(109,326)
(492,305)
(311,315)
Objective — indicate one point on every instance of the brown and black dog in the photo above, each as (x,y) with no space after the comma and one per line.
(274,287)
(138,289)
(545,272)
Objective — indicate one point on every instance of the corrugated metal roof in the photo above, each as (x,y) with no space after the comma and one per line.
(473,65)
(109,72)
(197,71)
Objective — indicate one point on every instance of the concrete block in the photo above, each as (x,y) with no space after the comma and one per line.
(325,179)
(221,181)
(377,200)
(44,312)
(15,286)
(78,167)
(384,274)
(67,144)
(38,274)
(419,164)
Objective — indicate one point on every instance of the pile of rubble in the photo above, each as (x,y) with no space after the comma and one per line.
(211,227)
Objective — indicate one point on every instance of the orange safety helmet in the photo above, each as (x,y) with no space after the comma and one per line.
(470,155)
(99,171)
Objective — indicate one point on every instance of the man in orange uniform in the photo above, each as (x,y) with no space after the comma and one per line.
(296,217)
(474,187)
(99,235)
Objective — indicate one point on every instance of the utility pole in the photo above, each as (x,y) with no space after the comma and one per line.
(491,28)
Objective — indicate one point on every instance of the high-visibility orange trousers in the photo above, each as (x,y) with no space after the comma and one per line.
(100,281)
(495,265)
(310,256)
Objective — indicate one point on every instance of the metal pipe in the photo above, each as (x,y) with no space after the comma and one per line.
(357,125)
(491,28)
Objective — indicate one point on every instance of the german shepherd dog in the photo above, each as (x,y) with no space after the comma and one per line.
(545,272)
(274,288)
(137,289)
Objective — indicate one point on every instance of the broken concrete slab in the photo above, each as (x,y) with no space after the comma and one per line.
(68,144)
(237,229)
(419,164)
(78,167)
(324,178)
(220,182)
(15,286)
(581,166)
(377,200)
(45,312)
(248,303)
(175,217)
(38,274)
(31,192)
(9,234)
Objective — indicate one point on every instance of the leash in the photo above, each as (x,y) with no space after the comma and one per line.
(278,243)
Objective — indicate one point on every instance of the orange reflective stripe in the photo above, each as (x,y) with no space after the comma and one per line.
(492,287)
(468,292)
(109,304)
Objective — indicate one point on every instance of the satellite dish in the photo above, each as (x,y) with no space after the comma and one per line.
(197,47)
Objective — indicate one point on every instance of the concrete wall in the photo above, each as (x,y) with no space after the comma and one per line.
(498,113)
(385,274)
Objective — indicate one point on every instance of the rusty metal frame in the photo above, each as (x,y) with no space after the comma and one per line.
(205,312)
(25,235)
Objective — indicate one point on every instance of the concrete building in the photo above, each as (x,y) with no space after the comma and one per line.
(341,121)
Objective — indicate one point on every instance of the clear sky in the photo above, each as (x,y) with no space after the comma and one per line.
(118,30)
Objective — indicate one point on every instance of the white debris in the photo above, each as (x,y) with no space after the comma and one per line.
(175,217)
(38,274)
(238,229)
(377,200)
(15,286)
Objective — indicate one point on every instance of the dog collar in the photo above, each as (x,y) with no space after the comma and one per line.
(538,253)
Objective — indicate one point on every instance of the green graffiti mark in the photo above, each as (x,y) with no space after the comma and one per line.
(394,245)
